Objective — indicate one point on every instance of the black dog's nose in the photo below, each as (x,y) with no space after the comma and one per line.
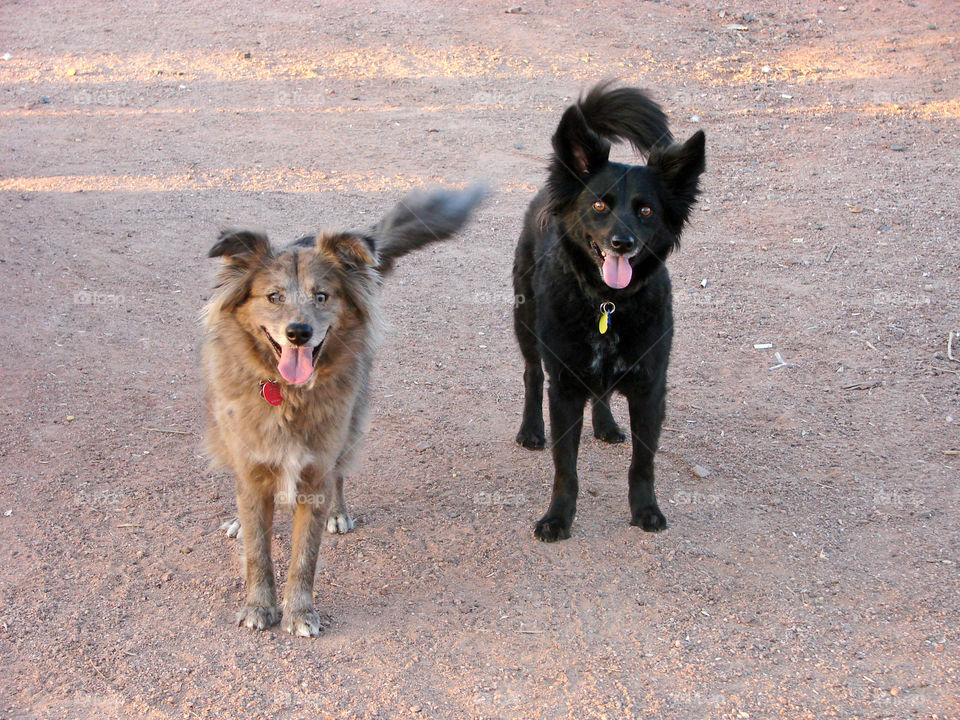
(623,243)
(299,333)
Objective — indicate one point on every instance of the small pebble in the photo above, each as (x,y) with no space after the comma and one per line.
(700,471)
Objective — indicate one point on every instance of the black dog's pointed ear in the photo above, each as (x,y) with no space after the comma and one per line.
(577,147)
(242,246)
(679,167)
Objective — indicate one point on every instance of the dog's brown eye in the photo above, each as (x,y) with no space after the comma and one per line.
(275,297)
(320,297)
(645,210)
(599,206)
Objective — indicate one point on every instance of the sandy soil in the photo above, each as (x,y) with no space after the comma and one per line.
(812,573)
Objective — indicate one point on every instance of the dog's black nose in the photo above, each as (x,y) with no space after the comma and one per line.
(623,243)
(299,333)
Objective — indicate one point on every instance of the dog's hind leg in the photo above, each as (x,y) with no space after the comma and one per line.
(299,615)
(647,411)
(566,424)
(531,433)
(339,521)
(604,426)
(255,507)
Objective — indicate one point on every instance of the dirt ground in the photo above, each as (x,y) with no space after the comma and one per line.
(811,572)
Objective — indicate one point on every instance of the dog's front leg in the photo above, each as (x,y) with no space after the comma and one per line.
(647,411)
(566,424)
(309,515)
(255,507)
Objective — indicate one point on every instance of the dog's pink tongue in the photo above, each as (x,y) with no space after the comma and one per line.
(296,364)
(617,271)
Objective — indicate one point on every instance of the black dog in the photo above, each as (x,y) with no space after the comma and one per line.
(593,293)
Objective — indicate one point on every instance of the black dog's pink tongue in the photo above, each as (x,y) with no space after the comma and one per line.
(296,364)
(617,271)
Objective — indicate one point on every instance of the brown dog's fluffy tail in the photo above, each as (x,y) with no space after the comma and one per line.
(420,219)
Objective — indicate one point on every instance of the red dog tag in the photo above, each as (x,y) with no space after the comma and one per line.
(270,392)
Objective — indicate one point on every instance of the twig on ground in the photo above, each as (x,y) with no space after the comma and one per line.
(862,385)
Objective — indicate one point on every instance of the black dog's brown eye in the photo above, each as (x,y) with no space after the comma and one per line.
(645,210)
(599,206)
(320,297)
(275,297)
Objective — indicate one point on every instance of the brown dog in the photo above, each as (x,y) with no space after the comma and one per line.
(290,341)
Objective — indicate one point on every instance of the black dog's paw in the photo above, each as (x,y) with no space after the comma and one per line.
(551,529)
(650,519)
(609,433)
(531,439)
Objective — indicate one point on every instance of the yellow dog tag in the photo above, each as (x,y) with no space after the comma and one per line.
(606,309)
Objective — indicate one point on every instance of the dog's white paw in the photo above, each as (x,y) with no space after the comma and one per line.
(258,617)
(233,528)
(303,623)
(340,523)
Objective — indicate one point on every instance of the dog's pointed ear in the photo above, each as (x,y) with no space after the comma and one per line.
(580,150)
(348,249)
(241,246)
(243,251)
(679,167)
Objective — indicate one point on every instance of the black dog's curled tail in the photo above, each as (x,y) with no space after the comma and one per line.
(420,219)
(581,143)
(625,114)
